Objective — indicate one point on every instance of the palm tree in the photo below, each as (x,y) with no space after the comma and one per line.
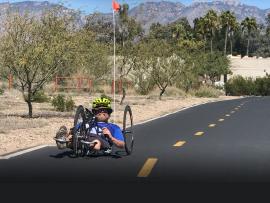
(201,29)
(248,26)
(228,21)
(178,30)
(234,27)
(212,23)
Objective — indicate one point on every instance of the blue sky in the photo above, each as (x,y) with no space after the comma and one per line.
(89,6)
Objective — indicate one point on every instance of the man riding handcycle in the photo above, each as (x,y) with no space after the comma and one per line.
(93,133)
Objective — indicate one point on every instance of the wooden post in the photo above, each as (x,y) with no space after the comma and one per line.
(120,86)
(55,83)
(10,82)
(79,84)
(112,86)
(89,84)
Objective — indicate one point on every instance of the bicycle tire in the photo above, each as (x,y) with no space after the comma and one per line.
(128,130)
(79,118)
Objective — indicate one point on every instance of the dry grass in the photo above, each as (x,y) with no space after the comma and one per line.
(14,123)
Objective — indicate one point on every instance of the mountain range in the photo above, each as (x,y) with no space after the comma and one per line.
(147,13)
(167,12)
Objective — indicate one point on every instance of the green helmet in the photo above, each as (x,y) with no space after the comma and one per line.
(102,103)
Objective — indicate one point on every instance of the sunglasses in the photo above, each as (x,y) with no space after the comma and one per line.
(100,111)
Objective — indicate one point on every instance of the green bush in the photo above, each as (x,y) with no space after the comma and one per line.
(40,97)
(1,91)
(262,86)
(238,86)
(58,102)
(246,86)
(207,91)
(70,104)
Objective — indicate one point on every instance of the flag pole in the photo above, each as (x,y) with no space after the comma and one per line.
(114,106)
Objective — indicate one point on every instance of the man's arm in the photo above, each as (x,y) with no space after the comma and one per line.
(118,143)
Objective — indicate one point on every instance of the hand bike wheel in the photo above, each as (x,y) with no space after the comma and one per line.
(78,133)
(128,130)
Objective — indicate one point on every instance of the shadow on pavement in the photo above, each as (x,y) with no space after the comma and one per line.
(115,155)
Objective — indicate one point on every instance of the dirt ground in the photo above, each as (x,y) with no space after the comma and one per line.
(18,133)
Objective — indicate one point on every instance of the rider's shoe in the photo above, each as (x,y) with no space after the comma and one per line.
(60,137)
(62,132)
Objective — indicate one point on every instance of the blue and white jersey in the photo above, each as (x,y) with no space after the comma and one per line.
(114,129)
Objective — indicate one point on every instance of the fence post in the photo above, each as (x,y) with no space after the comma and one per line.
(112,86)
(55,83)
(89,84)
(78,83)
(120,86)
(10,82)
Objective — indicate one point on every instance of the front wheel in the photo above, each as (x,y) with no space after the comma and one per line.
(128,130)
(78,129)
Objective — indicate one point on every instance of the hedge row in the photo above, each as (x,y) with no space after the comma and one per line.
(239,86)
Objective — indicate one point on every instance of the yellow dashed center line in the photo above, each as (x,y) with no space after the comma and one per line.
(212,125)
(179,144)
(199,133)
(221,120)
(147,168)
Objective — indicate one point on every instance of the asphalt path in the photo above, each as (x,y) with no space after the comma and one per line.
(226,141)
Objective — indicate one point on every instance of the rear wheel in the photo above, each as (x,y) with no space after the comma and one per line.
(128,130)
(78,130)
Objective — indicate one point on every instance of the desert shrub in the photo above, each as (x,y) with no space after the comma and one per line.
(207,91)
(1,91)
(143,82)
(174,92)
(70,104)
(40,97)
(58,102)
(238,86)
(246,86)
(262,86)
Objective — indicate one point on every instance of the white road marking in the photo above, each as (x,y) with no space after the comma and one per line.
(24,151)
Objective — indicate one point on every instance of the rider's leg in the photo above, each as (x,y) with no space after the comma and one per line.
(97,146)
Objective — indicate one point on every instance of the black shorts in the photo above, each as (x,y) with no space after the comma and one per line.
(104,142)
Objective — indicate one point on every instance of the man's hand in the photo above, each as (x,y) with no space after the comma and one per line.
(107,133)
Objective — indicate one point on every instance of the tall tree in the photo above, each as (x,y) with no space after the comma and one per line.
(181,29)
(248,26)
(200,29)
(228,22)
(34,50)
(212,23)
(129,31)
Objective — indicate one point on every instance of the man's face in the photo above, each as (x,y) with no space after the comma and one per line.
(102,116)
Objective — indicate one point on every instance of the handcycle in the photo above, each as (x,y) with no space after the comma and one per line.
(84,119)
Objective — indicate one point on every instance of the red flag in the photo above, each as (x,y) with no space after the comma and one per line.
(116,6)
